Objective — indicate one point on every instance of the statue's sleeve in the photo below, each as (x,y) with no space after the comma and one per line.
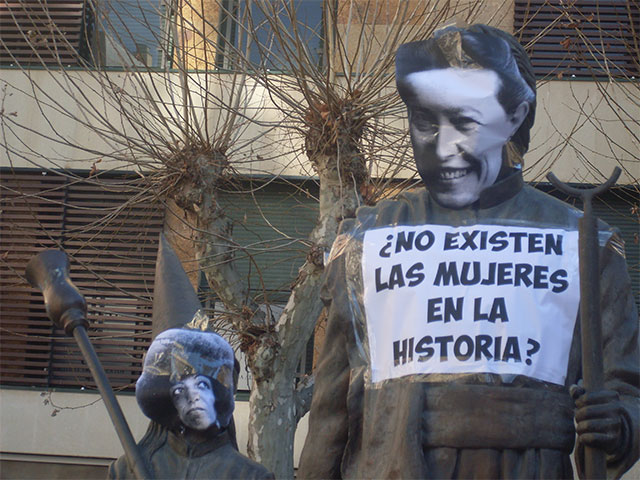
(328,421)
(621,353)
(118,470)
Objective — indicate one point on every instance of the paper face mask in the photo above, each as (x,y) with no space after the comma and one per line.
(194,400)
(458,130)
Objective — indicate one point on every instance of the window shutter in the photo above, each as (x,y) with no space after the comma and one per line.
(272,227)
(580,38)
(112,263)
(41,31)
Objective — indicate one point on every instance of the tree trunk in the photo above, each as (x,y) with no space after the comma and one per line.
(274,403)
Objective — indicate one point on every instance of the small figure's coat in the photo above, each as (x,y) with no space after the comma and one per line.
(171,457)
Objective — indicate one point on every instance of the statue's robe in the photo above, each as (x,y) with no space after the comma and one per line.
(169,456)
(475,425)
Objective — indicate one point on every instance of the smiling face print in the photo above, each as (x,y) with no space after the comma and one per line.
(458,129)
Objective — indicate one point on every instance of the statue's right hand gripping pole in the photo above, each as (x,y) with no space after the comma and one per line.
(66,307)
(590,321)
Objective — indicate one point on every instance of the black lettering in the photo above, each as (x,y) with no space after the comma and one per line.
(483,240)
(553,244)
(559,279)
(468,240)
(483,343)
(498,311)
(464,277)
(504,273)
(512,350)
(447,274)
(457,348)
(540,276)
(379,284)
(404,242)
(444,346)
(517,240)
(384,251)
(415,275)
(400,352)
(395,277)
(420,245)
(521,275)
(497,346)
(451,311)
(450,240)
(434,314)
(477,307)
(499,241)
(423,350)
(411,349)
(535,242)
(491,275)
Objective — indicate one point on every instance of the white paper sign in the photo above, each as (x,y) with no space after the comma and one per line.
(483,298)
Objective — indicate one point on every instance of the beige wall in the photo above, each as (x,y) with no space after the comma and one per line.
(81,428)
(83,434)
(59,130)
(576,135)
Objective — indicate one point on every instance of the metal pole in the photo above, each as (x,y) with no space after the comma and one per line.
(590,321)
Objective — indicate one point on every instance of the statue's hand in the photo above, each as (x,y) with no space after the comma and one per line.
(598,418)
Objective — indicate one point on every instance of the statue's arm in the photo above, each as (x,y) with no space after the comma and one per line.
(620,401)
(328,421)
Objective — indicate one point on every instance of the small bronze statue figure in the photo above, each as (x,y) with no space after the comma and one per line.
(187,389)
(452,346)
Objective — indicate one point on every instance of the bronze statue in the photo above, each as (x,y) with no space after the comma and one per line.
(187,390)
(452,346)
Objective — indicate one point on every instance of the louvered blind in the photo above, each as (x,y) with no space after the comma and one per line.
(41,31)
(113,252)
(580,38)
(271,226)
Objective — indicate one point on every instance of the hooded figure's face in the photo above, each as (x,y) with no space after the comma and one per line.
(458,129)
(194,400)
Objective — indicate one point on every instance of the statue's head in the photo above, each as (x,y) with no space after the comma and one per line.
(187,380)
(468,92)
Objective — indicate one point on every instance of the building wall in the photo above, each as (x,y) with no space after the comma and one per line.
(62,428)
(576,134)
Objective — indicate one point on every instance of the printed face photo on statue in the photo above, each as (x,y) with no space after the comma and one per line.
(194,400)
(459,118)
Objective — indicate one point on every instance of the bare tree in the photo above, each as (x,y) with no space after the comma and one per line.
(220,107)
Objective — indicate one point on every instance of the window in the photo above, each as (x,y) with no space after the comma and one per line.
(131,32)
(265,46)
(42,31)
(105,33)
(580,38)
(113,265)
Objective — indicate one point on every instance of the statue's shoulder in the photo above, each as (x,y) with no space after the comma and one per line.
(551,211)
(119,470)
(406,208)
